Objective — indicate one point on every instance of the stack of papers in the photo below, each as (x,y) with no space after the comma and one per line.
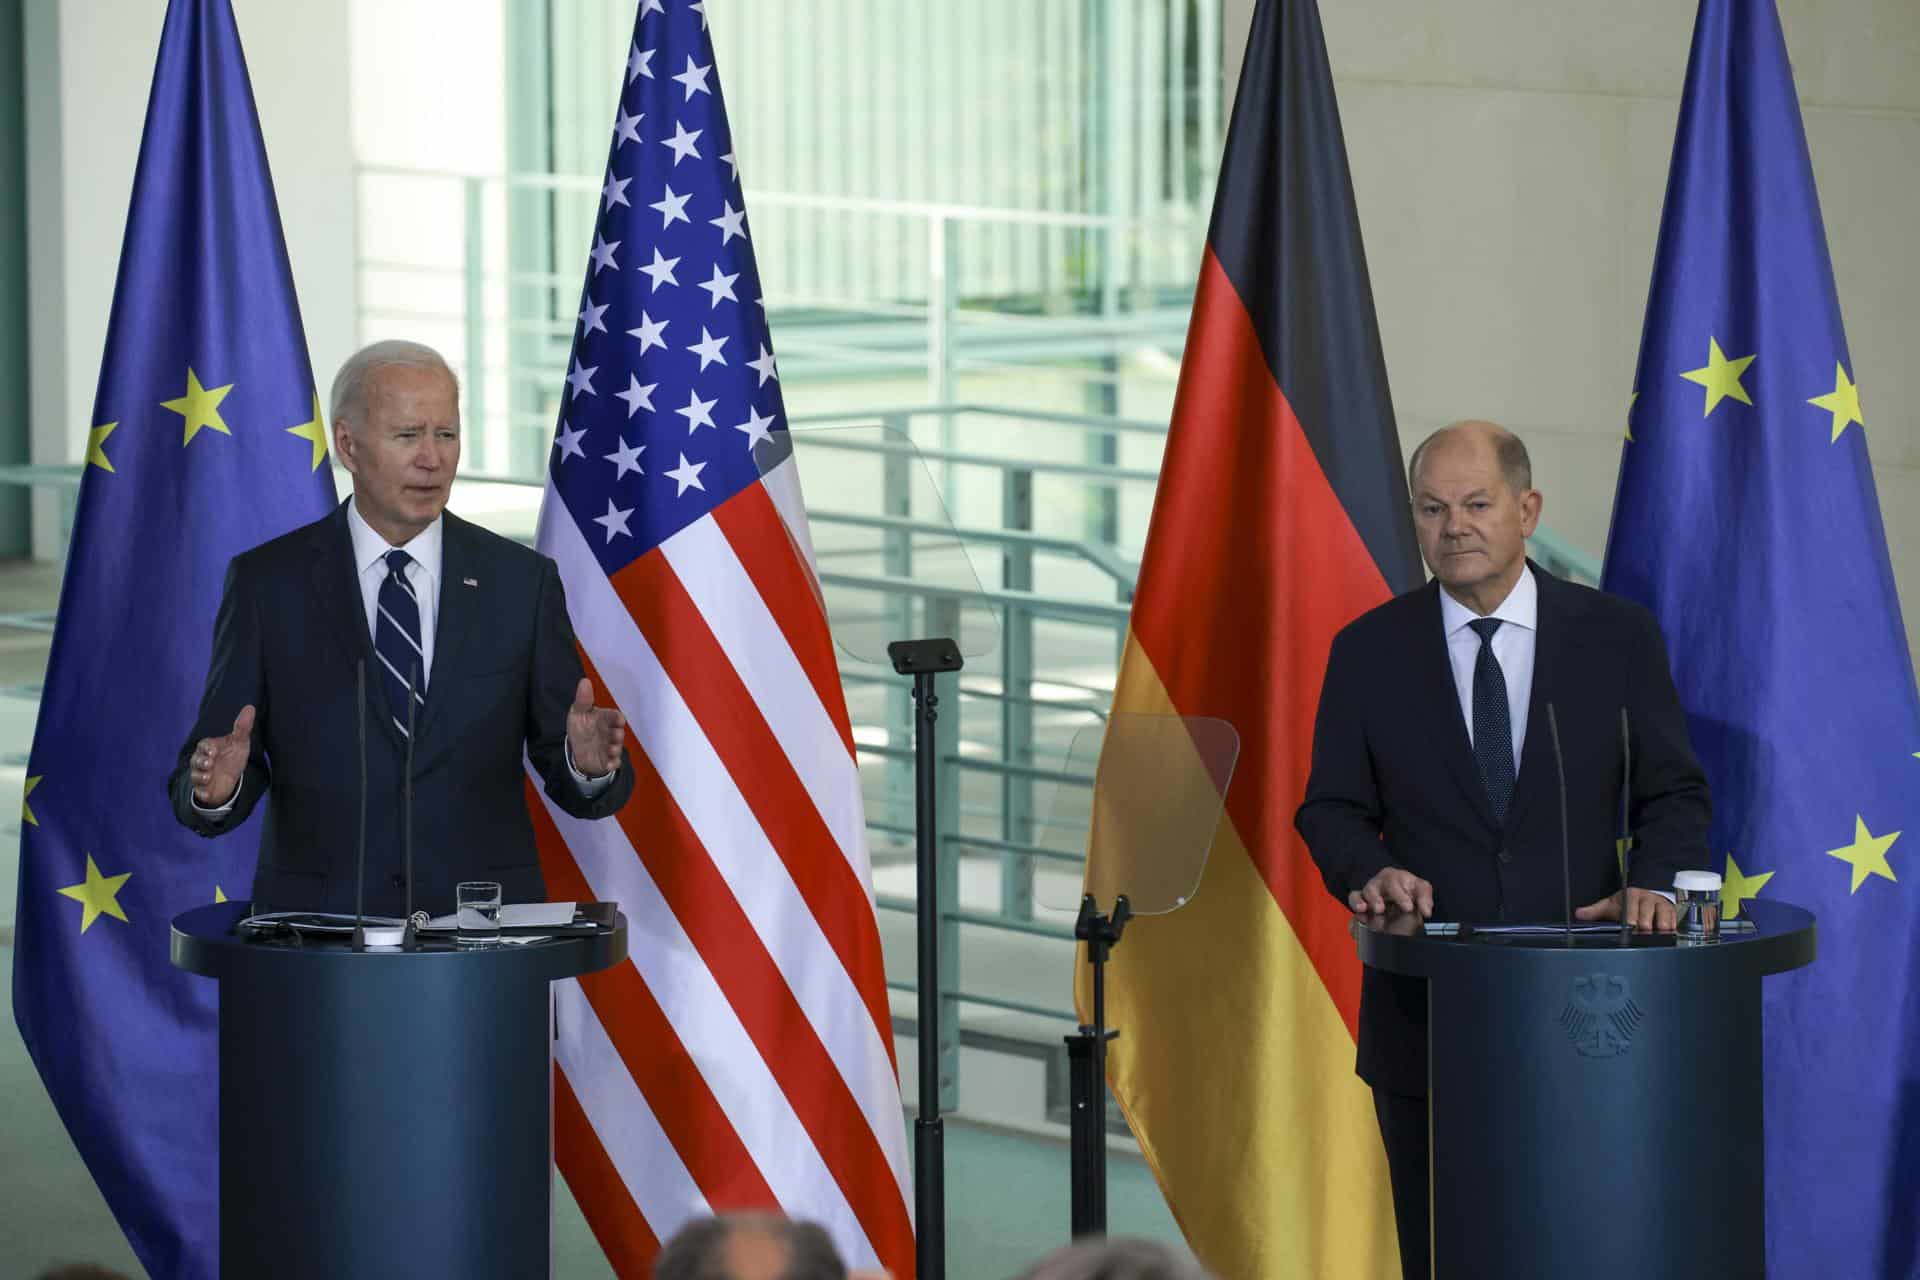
(518,915)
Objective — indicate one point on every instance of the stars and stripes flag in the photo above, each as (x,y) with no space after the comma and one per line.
(743,1055)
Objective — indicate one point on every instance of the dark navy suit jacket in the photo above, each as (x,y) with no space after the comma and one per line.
(290,633)
(1394,782)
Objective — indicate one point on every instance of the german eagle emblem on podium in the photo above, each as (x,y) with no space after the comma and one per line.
(1600,1016)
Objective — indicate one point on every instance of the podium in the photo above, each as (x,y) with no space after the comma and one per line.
(1595,1107)
(385,1113)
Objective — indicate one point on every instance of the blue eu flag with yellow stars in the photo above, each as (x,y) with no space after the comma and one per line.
(206,438)
(1746,520)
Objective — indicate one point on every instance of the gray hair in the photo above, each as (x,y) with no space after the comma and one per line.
(1116,1258)
(1516,467)
(698,1251)
(348,399)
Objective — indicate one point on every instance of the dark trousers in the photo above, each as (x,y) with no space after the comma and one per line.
(1403,1130)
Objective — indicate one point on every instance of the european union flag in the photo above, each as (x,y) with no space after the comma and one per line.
(206,438)
(1746,520)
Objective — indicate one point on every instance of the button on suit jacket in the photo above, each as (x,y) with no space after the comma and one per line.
(289,637)
(1394,782)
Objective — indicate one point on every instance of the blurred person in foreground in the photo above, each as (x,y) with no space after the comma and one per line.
(1116,1258)
(753,1246)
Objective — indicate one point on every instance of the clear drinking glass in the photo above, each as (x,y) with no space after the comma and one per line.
(1696,896)
(477,913)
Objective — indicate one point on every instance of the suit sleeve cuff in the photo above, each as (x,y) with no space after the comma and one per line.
(589,787)
(217,810)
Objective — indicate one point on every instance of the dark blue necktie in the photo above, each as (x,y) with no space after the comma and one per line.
(396,641)
(1492,722)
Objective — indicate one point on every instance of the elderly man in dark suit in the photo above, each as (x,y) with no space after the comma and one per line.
(466,649)
(1433,788)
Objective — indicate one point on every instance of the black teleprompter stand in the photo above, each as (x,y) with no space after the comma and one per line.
(1087,1059)
(923,660)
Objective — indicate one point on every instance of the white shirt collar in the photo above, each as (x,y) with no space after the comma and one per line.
(369,546)
(1521,608)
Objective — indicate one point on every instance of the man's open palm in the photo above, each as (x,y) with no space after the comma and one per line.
(595,735)
(219,762)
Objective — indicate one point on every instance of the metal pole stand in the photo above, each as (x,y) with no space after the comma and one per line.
(924,659)
(1087,1056)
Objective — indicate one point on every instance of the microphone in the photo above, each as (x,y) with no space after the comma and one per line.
(1560,773)
(360,861)
(1626,820)
(406,806)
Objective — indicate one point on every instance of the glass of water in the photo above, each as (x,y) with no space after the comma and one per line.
(477,913)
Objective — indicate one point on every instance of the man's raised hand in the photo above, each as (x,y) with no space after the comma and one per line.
(219,762)
(595,735)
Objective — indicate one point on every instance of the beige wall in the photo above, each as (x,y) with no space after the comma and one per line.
(1509,159)
(90,67)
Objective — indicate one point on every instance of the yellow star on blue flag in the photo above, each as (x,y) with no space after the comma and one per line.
(97,895)
(1843,402)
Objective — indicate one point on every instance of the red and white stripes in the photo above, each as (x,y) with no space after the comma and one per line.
(743,1055)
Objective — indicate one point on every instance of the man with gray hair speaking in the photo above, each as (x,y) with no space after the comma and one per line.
(461,640)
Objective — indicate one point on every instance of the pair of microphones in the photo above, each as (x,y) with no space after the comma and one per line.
(1626,822)
(408,941)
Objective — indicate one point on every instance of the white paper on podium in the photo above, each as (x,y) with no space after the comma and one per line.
(520,915)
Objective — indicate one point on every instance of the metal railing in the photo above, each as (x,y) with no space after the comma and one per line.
(507,321)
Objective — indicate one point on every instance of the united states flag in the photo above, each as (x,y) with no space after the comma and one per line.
(743,1055)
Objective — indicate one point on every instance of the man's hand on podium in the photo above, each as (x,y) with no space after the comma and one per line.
(1646,911)
(596,736)
(1393,888)
(219,762)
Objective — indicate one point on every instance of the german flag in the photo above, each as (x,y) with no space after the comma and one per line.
(1281,516)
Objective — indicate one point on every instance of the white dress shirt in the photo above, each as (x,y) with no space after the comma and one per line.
(1513,646)
(423,575)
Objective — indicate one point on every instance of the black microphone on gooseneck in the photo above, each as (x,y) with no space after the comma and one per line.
(406,806)
(1626,820)
(360,861)
(1566,871)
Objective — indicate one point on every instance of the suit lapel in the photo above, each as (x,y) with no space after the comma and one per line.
(338,592)
(1443,710)
(459,613)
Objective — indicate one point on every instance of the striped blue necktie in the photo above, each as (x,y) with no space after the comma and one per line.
(396,641)
(1492,722)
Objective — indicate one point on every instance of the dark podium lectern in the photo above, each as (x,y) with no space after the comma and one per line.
(385,1113)
(1596,1107)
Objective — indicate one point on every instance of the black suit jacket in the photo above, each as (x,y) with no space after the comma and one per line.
(1394,782)
(292,629)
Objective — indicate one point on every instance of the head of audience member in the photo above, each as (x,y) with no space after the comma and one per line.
(749,1246)
(1116,1258)
(396,427)
(1474,507)
(79,1271)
